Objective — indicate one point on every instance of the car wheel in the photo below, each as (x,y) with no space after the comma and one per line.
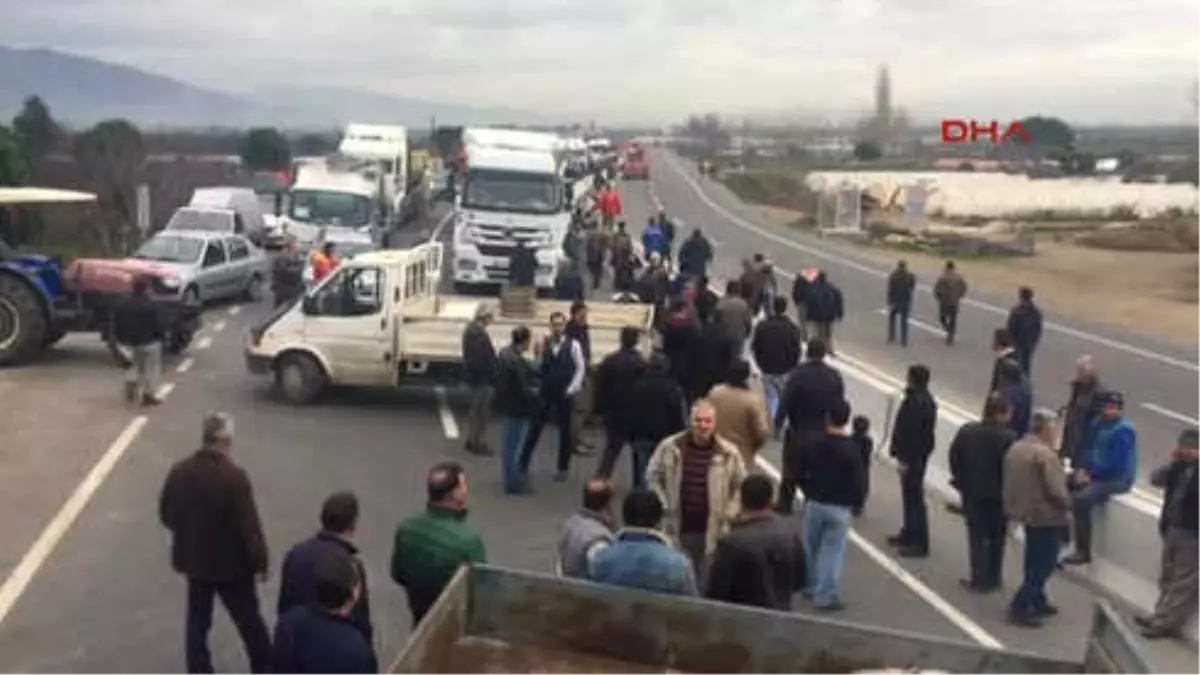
(299,379)
(253,291)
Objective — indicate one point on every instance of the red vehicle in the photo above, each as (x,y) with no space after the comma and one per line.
(635,166)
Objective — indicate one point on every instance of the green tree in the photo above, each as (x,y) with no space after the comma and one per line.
(1049,133)
(315,144)
(109,155)
(14,170)
(867,151)
(39,132)
(265,149)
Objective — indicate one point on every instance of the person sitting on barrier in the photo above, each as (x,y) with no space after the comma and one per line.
(1109,469)
(1178,527)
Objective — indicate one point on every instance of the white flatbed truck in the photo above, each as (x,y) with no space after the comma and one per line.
(379,321)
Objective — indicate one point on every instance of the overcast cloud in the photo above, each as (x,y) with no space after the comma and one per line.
(656,60)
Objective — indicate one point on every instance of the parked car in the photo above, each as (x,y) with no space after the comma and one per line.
(206,266)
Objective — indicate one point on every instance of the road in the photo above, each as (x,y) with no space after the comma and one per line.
(87,582)
(1158,379)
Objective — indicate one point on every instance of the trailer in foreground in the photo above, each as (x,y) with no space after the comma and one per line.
(494,620)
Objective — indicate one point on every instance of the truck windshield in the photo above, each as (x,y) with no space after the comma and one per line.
(203,221)
(324,206)
(491,190)
(170,248)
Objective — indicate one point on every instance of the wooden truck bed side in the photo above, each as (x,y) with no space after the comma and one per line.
(668,633)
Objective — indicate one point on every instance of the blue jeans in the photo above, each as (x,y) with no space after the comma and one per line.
(773,390)
(1041,557)
(514,431)
(826,528)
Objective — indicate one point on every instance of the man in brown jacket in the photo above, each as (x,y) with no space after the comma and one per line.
(741,412)
(949,290)
(217,544)
(1035,495)
(733,316)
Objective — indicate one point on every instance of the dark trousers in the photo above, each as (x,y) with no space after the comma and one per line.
(948,318)
(1041,557)
(558,409)
(597,274)
(898,314)
(915,532)
(1025,357)
(615,440)
(795,444)
(640,452)
(986,532)
(241,601)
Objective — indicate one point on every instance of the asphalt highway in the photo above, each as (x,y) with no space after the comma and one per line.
(1159,380)
(87,584)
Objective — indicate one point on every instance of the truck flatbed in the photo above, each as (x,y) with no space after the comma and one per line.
(496,620)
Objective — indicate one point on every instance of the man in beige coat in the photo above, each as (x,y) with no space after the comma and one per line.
(741,412)
(697,475)
(1035,495)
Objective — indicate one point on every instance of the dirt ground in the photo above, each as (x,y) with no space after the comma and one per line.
(1152,293)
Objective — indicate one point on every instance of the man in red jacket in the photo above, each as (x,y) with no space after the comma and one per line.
(609,203)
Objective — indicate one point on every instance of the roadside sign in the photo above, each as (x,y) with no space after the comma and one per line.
(143,208)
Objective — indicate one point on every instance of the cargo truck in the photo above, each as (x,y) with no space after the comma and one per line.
(495,620)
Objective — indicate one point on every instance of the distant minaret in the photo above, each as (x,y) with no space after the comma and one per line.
(883,98)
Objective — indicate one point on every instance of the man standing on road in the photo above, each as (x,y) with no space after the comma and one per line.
(568,283)
(1035,495)
(1014,387)
(616,377)
(139,326)
(587,531)
(800,295)
(949,290)
(1081,410)
(811,391)
(776,348)
(520,294)
(912,444)
(430,547)
(734,317)
(217,544)
(659,404)
(516,402)
(825,308)
(1177,525)
(597,252)
(901,285)
(562,370)
(641,556)
(321,636)
(695,255)
(1002,347)
(287,275)
(577,329)
(696,475)
(670,231)
(741,412)
(760,563)
(479,362)
(623,263)
(1109,468)
(977,472)
(835,488)
(299,583)
(1025,327)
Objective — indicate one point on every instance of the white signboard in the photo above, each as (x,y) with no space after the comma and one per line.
(143,208)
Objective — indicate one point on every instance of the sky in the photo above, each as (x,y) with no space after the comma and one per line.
(1089,61)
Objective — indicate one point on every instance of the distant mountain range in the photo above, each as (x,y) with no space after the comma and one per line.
(81,91)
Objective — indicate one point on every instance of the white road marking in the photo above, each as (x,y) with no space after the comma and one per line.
(16,583)
(943,606)
(219,326)
(235,310)
(916,322)
(449,425)
(204,342)
(436,234)
(1167,412)
(825,255)
(185,365)
(164,390)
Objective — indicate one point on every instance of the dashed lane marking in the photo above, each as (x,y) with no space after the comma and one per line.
(917,323)
(449,425)
(164,390)
(21,576)
(219,326)
(185,365)
(1171,414)
(204,342)
(235,310)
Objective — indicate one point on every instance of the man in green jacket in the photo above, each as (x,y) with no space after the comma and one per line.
(430,547)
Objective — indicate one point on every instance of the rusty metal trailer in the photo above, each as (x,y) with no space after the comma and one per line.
(495,620)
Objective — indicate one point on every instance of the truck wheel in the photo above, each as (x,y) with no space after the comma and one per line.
(299,379)
(23,326)
(253,291)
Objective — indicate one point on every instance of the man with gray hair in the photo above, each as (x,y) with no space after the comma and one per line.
(1035,495)
(479,362)
(217,544)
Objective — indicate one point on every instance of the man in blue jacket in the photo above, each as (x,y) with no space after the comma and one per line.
(654,240)
(1109,468)
(641,556)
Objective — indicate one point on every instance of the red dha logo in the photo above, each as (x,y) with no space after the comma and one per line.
(970,131)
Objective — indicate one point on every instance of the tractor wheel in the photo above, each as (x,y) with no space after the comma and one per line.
(53,337)
(23,325)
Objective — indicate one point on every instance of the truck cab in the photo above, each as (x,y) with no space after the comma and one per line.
(321,198)
(508,196)
(383,148)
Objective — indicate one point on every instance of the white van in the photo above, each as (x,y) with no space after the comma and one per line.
(320,197)
(244,202)
(508,196)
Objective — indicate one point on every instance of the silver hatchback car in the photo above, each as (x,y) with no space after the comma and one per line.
(207,266)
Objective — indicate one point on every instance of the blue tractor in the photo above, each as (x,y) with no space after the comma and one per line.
(38,306)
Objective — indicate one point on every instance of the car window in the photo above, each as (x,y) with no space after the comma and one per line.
(351,292)
(214,255)
(238,249)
